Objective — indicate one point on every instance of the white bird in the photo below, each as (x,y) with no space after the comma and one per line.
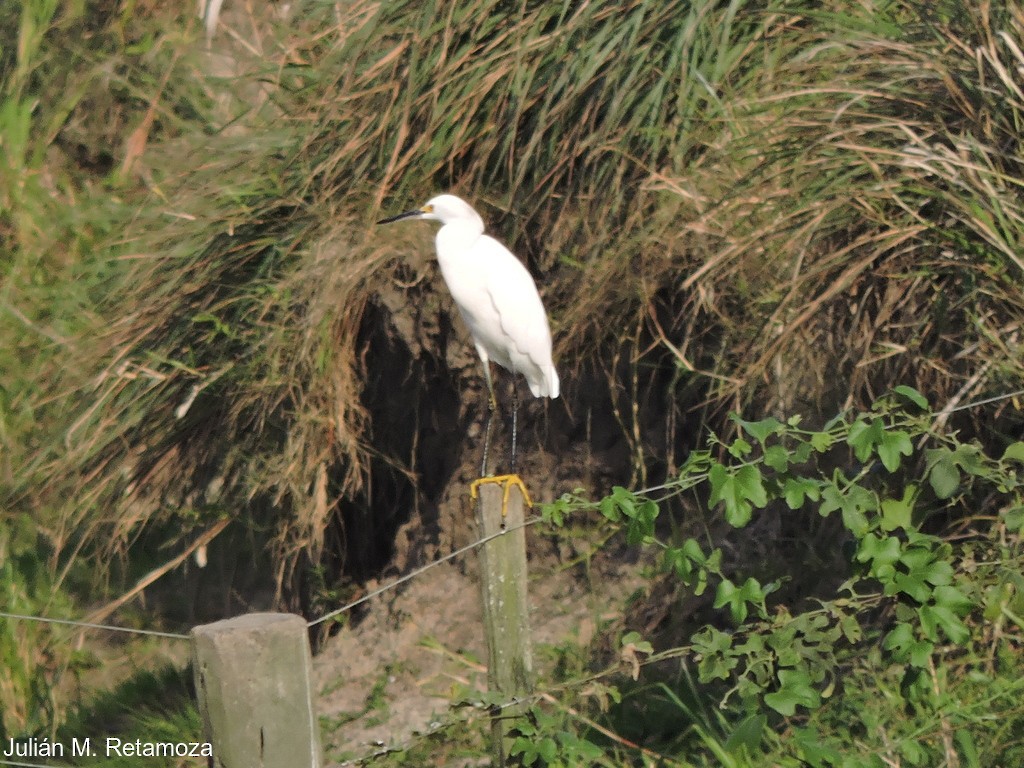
(496,296)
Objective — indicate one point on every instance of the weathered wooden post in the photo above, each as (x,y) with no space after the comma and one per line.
(506,609)
(253,678)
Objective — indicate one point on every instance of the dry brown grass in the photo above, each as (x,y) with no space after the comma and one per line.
(757,207)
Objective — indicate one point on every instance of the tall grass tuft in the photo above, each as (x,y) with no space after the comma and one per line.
(763,205)
(866,235)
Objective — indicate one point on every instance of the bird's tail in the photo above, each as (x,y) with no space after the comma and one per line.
(551,383)
(544,385)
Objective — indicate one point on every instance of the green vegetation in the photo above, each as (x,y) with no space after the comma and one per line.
(150,707)
(770,207)
(874,649)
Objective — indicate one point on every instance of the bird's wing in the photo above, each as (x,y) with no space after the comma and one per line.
(514,296)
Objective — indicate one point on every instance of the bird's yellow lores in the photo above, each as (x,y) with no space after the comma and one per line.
(497,298)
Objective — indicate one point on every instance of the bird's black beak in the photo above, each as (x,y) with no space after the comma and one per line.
(399,217)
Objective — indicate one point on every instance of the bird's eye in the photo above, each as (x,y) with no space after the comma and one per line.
(428,208)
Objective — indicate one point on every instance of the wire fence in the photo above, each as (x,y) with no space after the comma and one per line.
(326,617)
(469,713)
(473,711)
(950,408)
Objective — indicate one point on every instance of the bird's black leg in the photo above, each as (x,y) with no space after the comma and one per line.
(492,405)
(506,481)
(515,424)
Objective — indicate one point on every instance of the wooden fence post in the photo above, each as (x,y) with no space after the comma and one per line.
(506,609)
(253,678)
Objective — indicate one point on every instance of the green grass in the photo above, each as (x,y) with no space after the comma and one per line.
(151,707)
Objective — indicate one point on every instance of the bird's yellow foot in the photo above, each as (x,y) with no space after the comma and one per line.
(507,481)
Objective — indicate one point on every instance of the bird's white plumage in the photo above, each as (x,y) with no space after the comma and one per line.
(494,293)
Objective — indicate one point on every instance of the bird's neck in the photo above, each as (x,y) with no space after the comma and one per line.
(458,236)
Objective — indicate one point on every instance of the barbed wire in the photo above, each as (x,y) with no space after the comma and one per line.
(347,607)
(423,569)
(91,625)
(379,750)
(3,761)
(938,415)
(987,401)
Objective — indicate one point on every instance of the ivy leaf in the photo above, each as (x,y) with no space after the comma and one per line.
(954,599)
(529,750)
(943,473)
(715,659)
(523,747)
(1014,452)
(969,458)
(934,617)
(729,594)
(905,647)
(715,668)
(691,548)
(737,489)
(797,489)
(751,483)
(909,585)
(625,500)
(883,554)
(556,512)
(610,510)
(912,395)
(853,504)
(738,597)
(762,430)
(831,500)
(711,641)
(822,441)
(863,437)
(923,564)
(690,565)
(776,457)
(851,628)
(641,524)
(891,446)
(801,453)
(739,448)
(675,560)
(636,641)
(753,645)
(697,462)
(1014,519)
(898,639)
(586,752)
(794,690)
(547,749)
(896,513)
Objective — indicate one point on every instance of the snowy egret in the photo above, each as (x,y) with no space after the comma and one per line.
(499,302)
